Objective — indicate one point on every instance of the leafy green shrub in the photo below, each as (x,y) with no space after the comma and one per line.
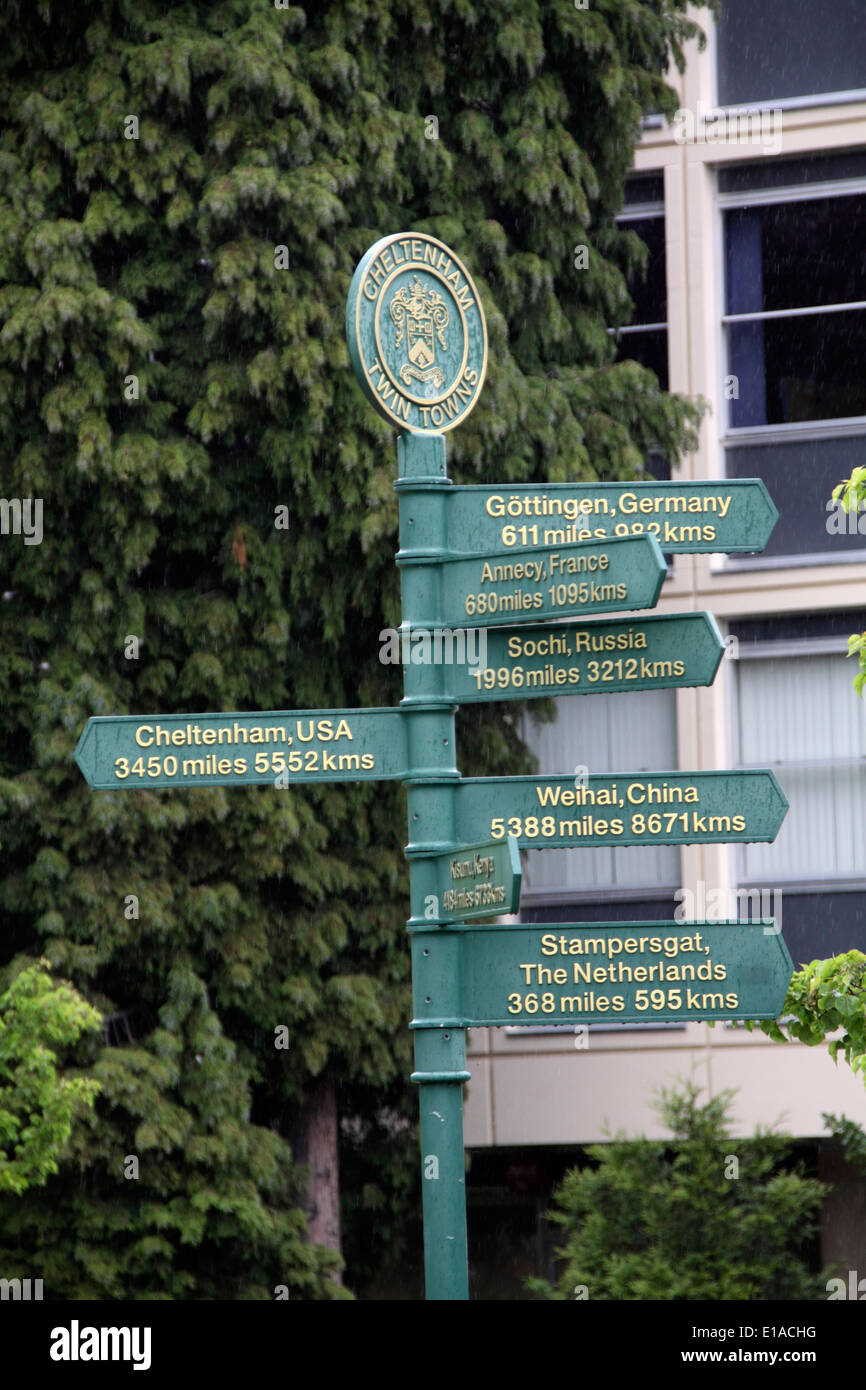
(706,1217)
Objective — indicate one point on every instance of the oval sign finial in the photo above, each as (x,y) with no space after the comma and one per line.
(416,333)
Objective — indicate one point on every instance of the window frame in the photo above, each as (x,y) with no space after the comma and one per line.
(839,97)
(732,437)
(642,212)
(786,649)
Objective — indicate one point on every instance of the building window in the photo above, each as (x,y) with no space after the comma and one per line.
(797,714)
(796,295)
(785,50)
(605,734)
(795,330)
(645,339)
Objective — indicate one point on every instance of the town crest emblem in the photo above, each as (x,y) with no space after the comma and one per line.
(420,316)
(416,333)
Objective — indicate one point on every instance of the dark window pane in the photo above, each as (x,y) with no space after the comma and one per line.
(792,255)
(608,910)
(649,349)
(818,925)
(799,626)
(787,173)
(789,48)
(644,188)
(796,369)
(649,291)
(658,467)
(800,477)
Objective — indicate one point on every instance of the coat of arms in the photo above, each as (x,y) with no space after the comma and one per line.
(420,316)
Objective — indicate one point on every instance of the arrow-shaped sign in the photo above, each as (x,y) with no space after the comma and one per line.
(630,972)
(214,750)
(698,517)
(551,582)
(643,808)
(523,663)
(478,881)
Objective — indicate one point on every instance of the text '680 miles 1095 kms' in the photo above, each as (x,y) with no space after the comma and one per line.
(555,582)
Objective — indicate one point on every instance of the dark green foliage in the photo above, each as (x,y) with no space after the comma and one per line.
(678,1221)
(852,1138)
(380,1185)
(155,258)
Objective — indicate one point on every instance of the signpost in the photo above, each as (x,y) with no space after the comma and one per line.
(215,750)
(487,556)
(577,972)
(524,663)
(685,518)
(612,576)
(477,881)
(650,808)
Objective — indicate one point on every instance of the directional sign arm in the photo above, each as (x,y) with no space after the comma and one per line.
(653,652)
(657,808)
(725,516)
(297,746)
(611,576)
(630,972)
(480,880)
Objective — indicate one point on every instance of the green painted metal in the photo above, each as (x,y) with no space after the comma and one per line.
(416,333)
(440,1053)
(523,663)
(473,881)
(722,515)
(590,972)
(554,582)
(440,1071)
(212,750)
(643,808)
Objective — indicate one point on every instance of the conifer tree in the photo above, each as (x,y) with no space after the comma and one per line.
(185,189)
(704,1217)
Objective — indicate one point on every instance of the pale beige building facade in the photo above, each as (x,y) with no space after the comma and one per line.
(756,202)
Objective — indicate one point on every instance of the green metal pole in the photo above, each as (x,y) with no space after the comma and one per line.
(440,1046)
